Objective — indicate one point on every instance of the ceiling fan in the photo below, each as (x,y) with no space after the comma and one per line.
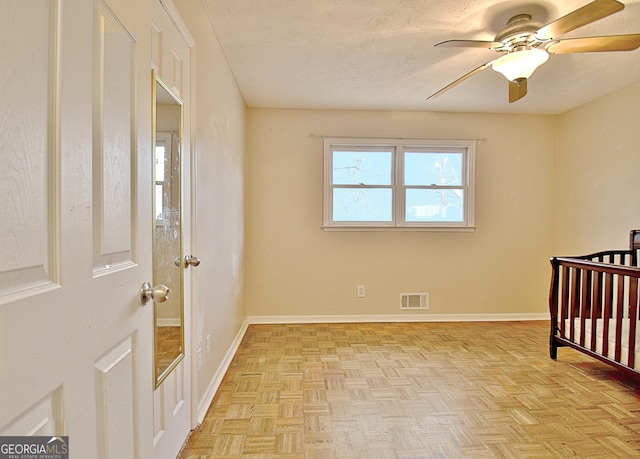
(526,44)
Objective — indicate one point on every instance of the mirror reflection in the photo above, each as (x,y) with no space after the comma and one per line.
(167,199)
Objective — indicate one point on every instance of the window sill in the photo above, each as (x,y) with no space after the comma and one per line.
(446,229)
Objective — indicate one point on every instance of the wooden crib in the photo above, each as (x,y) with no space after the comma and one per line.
(593,303)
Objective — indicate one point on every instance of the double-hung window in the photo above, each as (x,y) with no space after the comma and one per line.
(374,184)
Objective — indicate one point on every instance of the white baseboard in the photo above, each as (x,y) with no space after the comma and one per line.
(205,402)
(506,317)
(212,388)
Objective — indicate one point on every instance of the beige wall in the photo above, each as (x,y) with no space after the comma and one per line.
(218,133)
(598,174)
(294,267)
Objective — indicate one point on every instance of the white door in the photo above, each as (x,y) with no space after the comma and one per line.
(171,61)
(75,232)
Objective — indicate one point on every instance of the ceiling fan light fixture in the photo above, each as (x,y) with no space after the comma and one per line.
(520,64)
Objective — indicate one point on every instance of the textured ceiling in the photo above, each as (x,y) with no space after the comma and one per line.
(379,54)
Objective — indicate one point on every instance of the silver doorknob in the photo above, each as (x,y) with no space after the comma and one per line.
(190,260)
(159,293)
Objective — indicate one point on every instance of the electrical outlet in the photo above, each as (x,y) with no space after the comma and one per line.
(199,358)
(208,344)
(360,291)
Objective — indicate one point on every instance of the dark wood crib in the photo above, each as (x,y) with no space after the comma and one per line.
(593,303)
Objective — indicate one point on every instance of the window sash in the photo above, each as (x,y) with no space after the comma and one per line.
(357,170)
(377,195)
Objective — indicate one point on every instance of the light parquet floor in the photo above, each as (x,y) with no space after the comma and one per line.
(416,390)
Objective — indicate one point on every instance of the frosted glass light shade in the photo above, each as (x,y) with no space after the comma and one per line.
(520,64)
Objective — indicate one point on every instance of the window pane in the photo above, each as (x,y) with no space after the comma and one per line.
(159,194)
(433,169)
(159,163)
(362,205)
(362,167)
(434,205)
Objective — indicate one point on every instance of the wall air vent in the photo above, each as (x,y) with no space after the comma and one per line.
(414,301)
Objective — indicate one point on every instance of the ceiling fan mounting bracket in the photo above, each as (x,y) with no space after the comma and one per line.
(520,32)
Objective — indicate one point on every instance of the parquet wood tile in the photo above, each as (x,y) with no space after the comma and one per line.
(416,390)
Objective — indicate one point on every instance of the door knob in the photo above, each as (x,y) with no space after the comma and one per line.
(159,293)
(190,260)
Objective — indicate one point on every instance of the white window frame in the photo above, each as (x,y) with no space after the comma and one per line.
(398,147)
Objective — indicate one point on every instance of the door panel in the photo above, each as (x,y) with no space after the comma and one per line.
(113,146)
(115,401)
(43,418)
(75,344)
(28,218)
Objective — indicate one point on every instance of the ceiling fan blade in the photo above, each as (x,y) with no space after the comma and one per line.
(461,79)
(517,89)
(589,13)
(596,44)
(470,44)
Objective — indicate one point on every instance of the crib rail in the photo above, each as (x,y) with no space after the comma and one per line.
(593,303)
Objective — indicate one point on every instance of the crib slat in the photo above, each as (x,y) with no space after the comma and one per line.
(596,307)
(606,314)
(619,316)
(574,305)
(585,308)
(633,317)
(564,314)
